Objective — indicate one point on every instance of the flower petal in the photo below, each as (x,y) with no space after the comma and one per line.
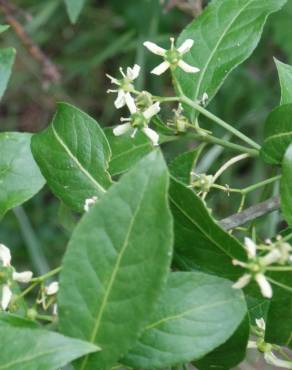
(271,359)
(264,285)
(52,288)
(261,323)
(22,277)
(133,73)
(152,111)
(120,100)
(130,103)
(251,247)
(6,297)
(113,80)
(186,46)
(121,129)
(5,255)
(89,202)
(153,136)
(188,68)
(242,281)
(271,257)
(155,49)
(161,68)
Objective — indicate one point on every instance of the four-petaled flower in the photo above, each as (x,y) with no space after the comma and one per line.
(139,120)
(172,57)
(257,267)
(125,86)
(8,274)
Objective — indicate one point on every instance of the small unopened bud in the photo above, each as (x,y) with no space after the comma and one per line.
(31,314)
(144,100)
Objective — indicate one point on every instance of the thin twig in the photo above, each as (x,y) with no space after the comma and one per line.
(50,71)
(251,213)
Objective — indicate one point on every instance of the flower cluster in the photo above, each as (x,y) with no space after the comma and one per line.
(257,266)
(267,348)
(202,182)
(8,275)
(140,104)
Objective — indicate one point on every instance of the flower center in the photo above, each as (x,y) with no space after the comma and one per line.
(5,274)
(138,120)
(173,57)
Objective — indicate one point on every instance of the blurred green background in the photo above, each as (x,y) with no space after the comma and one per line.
(110,34)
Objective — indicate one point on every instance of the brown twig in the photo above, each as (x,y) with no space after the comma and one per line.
(50,71)
(250,213)
(194,7)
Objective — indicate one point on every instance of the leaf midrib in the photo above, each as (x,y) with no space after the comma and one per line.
(199,227)
(202,74)
(186,312)
(33,357)
(113,276)
(76,161)
(278,136)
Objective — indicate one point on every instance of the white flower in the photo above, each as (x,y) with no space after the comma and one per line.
(265,286)
(243,281)
(250,247)
(271,359)
(125,86)
(261,324)
(172,57)
(89,202)
(5,255)
(21,277)
(256,266)
(204,99)
(52,288)
(139,120)
(6,297)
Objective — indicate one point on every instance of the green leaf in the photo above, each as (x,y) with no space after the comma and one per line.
(3,27)
(28,348)
(285,187)
(73,155)
(225,35)
(7,57)
(277,134)
(279,320)
(20,178)
(117,262)
(74,8)
(230,353)
(200,243)
(126,151)
(182,165)
(195,314)
(285,77)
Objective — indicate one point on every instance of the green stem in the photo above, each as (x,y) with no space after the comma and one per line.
(260,184)
(226,189)
(219,121)
(279,268)
(45,318)
(227,144)
(44,277)
(25,292)
(34,248)
(283,286)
